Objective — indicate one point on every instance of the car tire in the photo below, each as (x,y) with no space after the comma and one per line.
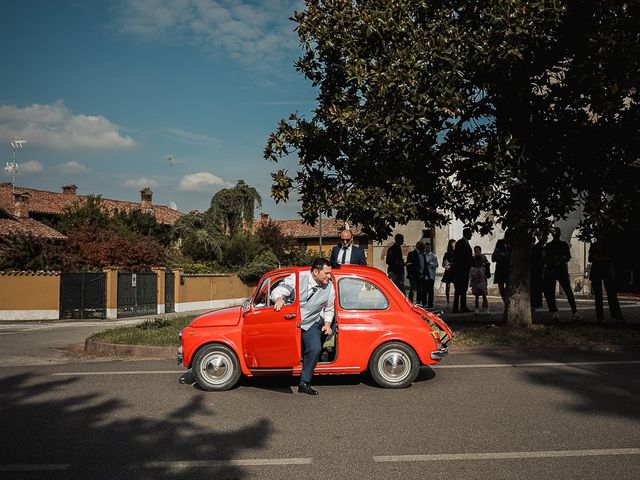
(216,368)
(394,365)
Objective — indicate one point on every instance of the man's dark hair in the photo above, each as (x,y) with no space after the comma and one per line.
(467,231)
(319,263)
(399,238)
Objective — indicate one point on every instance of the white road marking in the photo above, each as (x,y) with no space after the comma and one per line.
(538,364)
(139,372)
(448,457)
(41,467)
(256,462)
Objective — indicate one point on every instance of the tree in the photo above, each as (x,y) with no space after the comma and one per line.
(199,237)
(233,209)
(20,251)
(430,107)
(88,248)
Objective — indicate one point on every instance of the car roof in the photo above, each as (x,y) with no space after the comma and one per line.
(340,270)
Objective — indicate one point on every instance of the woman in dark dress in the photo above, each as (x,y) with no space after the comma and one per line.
(447,263)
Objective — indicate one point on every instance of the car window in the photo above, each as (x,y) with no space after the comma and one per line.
(268,284)
(358,294)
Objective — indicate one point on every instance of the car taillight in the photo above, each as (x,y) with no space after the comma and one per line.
(436,336)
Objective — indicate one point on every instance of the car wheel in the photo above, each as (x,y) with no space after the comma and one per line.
(216,367)
(394,365)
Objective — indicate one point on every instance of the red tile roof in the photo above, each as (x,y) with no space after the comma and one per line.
(53,203)
(28,226)
(298,229)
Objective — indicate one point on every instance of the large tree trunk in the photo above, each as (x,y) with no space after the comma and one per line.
(518,297)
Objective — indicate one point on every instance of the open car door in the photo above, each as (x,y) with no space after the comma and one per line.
(271,339)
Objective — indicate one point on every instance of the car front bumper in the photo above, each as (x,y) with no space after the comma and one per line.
(440,354)
(179,357)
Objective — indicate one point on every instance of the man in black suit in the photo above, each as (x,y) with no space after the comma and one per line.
(462,261)
(347,252)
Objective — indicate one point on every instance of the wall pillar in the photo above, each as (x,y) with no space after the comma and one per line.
(161,287)
(112,293)
(177,292)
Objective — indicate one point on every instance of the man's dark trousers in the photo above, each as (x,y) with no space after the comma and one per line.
(427,299)
(312,346)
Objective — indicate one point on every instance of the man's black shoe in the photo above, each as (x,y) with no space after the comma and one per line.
(306,388)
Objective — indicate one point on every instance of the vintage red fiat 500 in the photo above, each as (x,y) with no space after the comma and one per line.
(376,329)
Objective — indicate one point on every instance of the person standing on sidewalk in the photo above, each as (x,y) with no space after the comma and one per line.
(462,261)
(429,275)
(556,255)
(447,263)
(602,271)
(395,262)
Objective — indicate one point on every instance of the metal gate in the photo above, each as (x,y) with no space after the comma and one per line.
(83,295)
(137,294)
(169,292)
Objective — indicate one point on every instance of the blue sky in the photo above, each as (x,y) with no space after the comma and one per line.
(104,91)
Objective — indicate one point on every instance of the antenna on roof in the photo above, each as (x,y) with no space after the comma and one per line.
(12,167)
(172,162)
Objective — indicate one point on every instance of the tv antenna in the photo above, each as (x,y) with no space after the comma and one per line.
(172,162)
(12,167)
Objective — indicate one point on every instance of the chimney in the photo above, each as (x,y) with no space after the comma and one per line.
(69,190)
(264,217)
(21,204)
(145,200)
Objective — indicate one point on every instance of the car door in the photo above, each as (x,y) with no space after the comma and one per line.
(271,339)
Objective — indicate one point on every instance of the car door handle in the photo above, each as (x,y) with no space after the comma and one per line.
(290,316)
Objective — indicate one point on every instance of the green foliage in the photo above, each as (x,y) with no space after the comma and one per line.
(258,266)
(240,249)
(143,223)
(84,214)
(156,323)
(232,209)
(20,251)
(198,237)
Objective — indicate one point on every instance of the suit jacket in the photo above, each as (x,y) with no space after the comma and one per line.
(357,255)
(462,258)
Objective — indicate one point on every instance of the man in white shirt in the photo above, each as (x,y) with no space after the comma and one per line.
(317,304)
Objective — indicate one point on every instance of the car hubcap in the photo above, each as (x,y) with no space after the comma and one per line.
(394,365)
(217,367)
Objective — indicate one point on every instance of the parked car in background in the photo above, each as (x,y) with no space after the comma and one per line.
(376,329)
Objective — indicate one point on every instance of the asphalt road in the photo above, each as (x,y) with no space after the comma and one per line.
(501,415)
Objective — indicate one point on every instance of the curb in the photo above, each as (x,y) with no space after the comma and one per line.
(98,348)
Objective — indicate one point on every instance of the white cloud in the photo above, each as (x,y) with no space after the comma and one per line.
(72,167)
(54,126)
(258,35)
(141,183)
(31,167)
(201,182)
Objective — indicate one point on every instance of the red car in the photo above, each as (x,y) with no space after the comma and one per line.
(376,329)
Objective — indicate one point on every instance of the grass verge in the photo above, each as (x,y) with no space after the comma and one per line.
(544,335)
(158,332)
(163,332)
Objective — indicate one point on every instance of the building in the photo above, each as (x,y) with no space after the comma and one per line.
(38,206)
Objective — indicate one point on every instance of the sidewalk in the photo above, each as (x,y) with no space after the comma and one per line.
(586,307)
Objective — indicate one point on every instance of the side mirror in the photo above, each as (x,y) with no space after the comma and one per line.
(246,304)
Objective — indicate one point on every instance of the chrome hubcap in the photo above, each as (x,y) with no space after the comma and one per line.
(217,367)
(394,365)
